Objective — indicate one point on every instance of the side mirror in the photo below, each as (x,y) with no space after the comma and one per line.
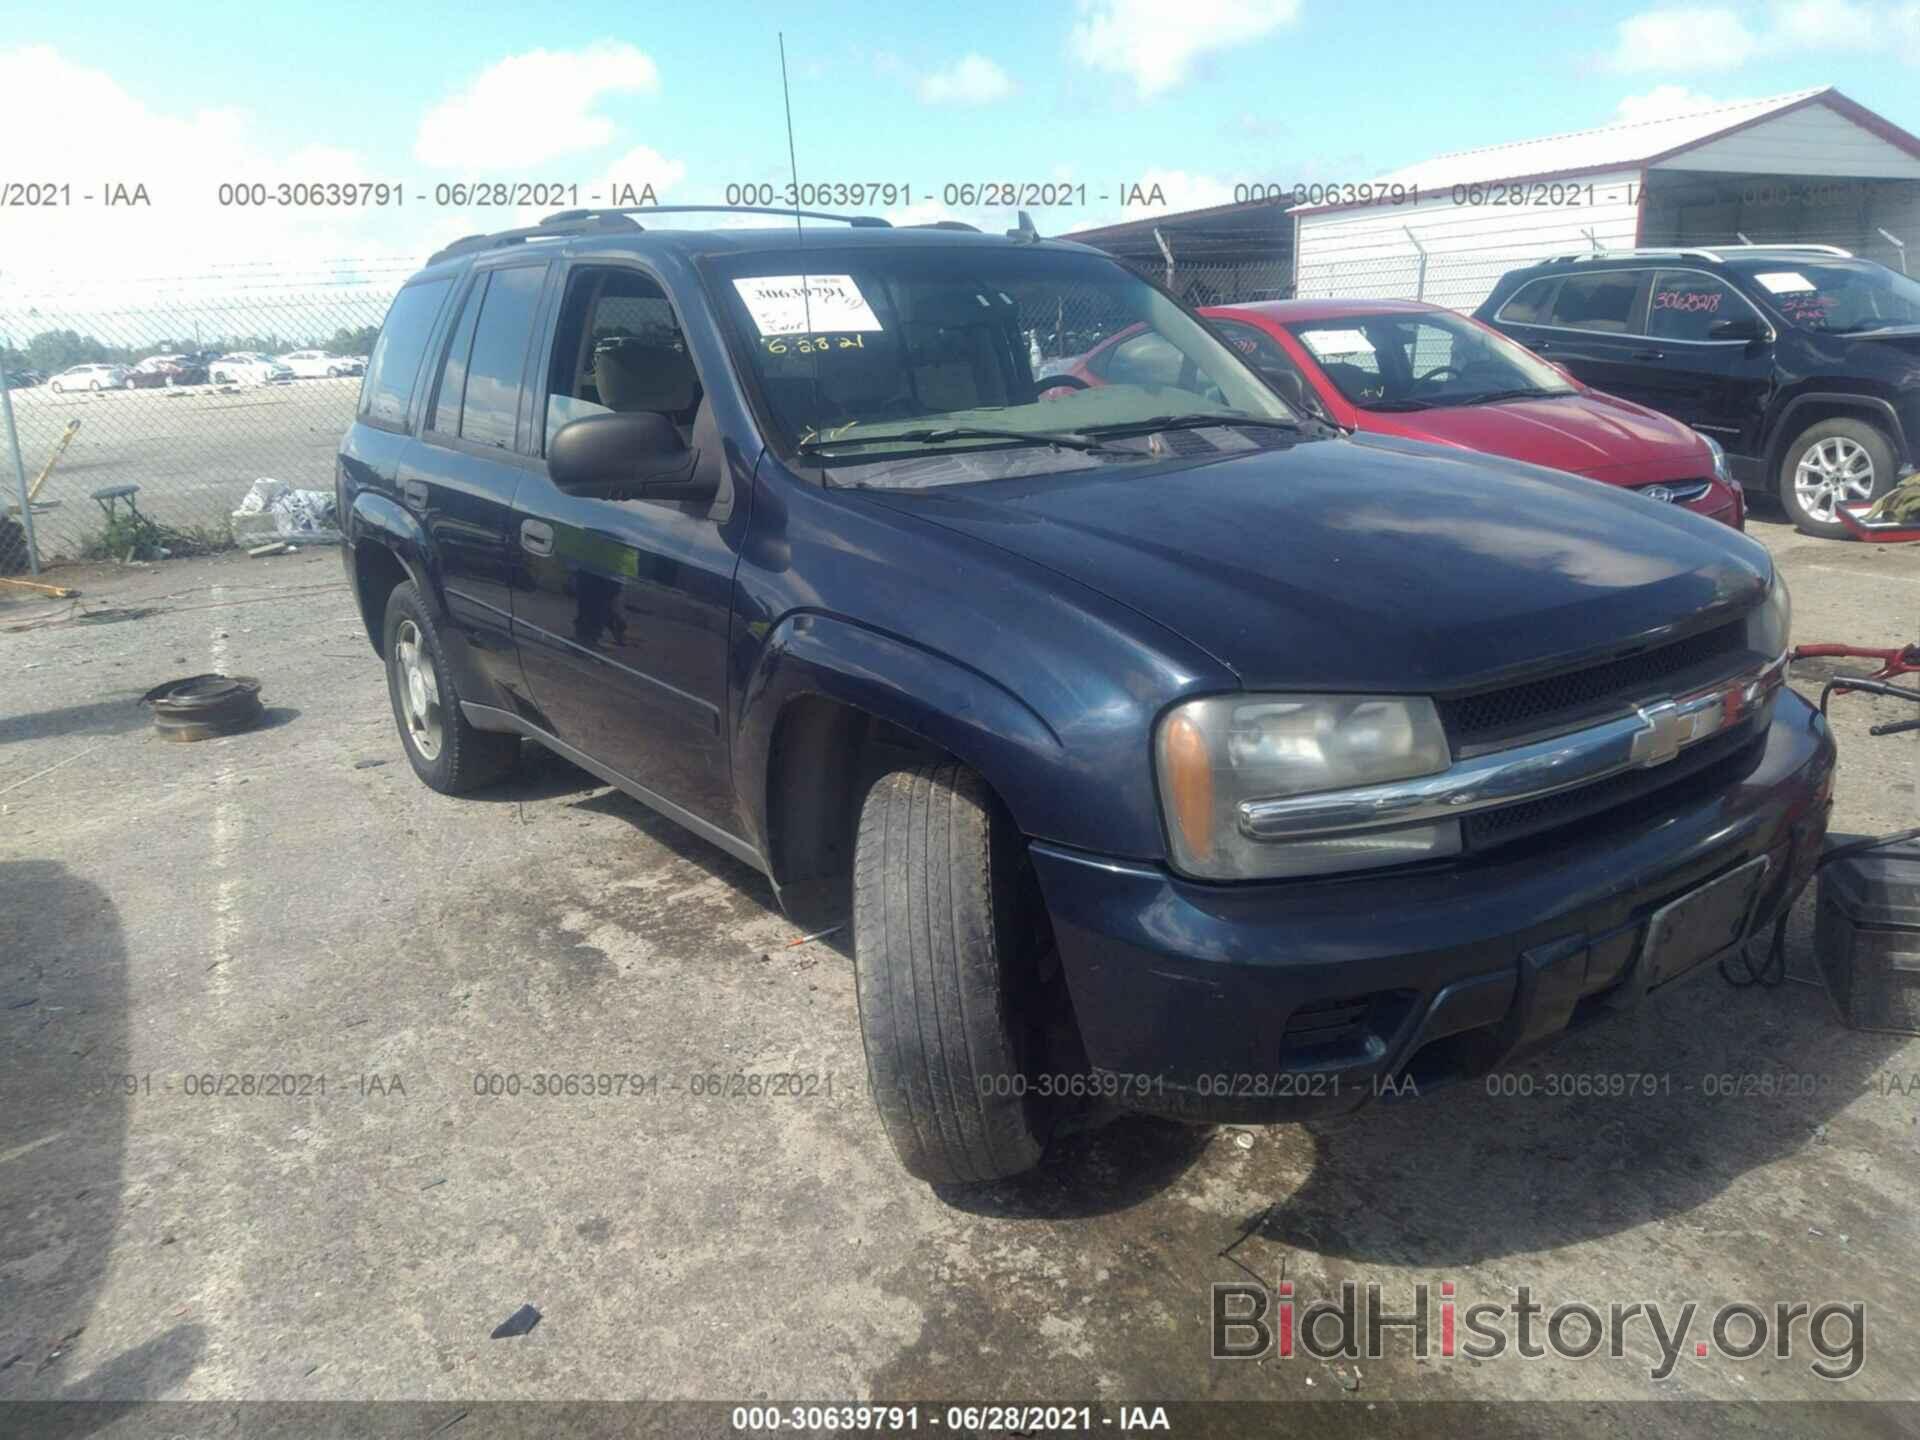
(1739,327)
(1293,389)
(627,455)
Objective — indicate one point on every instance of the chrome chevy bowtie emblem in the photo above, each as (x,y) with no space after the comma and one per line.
(1671,724)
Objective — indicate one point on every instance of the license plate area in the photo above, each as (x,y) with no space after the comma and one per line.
(1701,923)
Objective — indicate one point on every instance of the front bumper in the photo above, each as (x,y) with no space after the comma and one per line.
(1268,1002)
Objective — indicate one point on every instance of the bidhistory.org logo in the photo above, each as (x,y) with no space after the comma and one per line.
(1251,1321)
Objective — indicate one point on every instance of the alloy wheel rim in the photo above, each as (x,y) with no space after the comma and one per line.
(419,690)
(1831,472)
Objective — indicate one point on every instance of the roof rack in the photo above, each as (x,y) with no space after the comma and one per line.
(1696,252)
(618,219)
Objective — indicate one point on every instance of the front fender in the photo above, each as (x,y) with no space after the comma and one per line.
(974,718)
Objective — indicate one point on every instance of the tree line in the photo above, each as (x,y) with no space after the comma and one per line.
(52,351)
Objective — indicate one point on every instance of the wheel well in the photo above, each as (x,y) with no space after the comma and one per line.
(825,757)
(1793,426)
(376,571)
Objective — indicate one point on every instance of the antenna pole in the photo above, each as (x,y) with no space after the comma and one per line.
(793,169)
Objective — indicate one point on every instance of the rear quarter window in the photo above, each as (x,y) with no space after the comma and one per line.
(387,393)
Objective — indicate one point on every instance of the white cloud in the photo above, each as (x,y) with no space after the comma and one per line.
(1693,38)
(1715,38)
(1663,102)
(529,108)
(111,256)
(1824,24)
(1155,43)
(971,80)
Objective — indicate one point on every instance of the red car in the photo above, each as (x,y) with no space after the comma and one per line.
(1398,367)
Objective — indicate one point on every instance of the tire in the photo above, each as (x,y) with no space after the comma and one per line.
(94,385)
(57,387)
(944,973)
(1851,454)
(459,758)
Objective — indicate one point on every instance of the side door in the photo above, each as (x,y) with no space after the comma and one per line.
(461,474)
(623,606)
(1715,382)
(1594,329)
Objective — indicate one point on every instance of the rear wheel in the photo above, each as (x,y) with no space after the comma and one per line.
(947,936)
(444,750)
(1835,462)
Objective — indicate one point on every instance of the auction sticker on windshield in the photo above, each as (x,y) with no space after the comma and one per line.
(1784,282)
(1326,343)
(793,304)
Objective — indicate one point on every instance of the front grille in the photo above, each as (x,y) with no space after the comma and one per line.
(1679,492)
(1493,719)
(1694,774)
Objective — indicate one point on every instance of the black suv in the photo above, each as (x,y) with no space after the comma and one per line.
(1165,746)
(1800,360)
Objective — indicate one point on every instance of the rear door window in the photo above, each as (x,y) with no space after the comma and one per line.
(1687,304)
(498,361)
(1608,302)
(387,392)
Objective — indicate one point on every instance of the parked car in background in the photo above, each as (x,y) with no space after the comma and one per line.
(1801,360)
(89,377)
(166,371)
(245,367)
(24,379)
(1397,367)
(319,365)
(1160,744)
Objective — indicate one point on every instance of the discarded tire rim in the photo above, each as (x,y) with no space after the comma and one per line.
(203,706)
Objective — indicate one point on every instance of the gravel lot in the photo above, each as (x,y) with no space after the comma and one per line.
(193,451)
(293,901)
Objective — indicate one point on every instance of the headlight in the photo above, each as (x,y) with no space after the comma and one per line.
(1719,453)
(1770,628)
(1213,754)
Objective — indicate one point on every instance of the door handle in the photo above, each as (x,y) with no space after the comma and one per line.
(1649,354)
(536,537)
(1540,347)
(414,492)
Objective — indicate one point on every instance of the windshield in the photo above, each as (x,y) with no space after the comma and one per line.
(1422,361)
(1840,299)
(872,357)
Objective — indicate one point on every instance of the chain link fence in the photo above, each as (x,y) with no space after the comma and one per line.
(125,461)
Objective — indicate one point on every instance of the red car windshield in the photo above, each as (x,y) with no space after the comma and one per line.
(1424,361)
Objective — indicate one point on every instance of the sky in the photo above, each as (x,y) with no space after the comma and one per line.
(1193,97)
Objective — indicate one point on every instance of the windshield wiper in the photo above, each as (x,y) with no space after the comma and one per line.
(1520,392)
(940,434)
(1394,405)
(1117,429)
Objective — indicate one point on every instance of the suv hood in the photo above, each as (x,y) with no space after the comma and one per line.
(1370,564)
(1586,433)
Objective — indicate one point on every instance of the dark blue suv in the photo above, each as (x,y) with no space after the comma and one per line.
(1166,747)
(1800,361)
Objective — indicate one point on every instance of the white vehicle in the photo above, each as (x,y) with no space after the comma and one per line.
(89,377)
(245,367)
(319,365)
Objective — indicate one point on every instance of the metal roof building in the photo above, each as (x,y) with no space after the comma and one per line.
(1807,166)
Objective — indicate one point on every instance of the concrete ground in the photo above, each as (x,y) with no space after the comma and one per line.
(293,902)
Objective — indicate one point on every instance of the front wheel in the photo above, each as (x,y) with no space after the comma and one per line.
(946,935)
(444,750)
(57,388)
(1835,462)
